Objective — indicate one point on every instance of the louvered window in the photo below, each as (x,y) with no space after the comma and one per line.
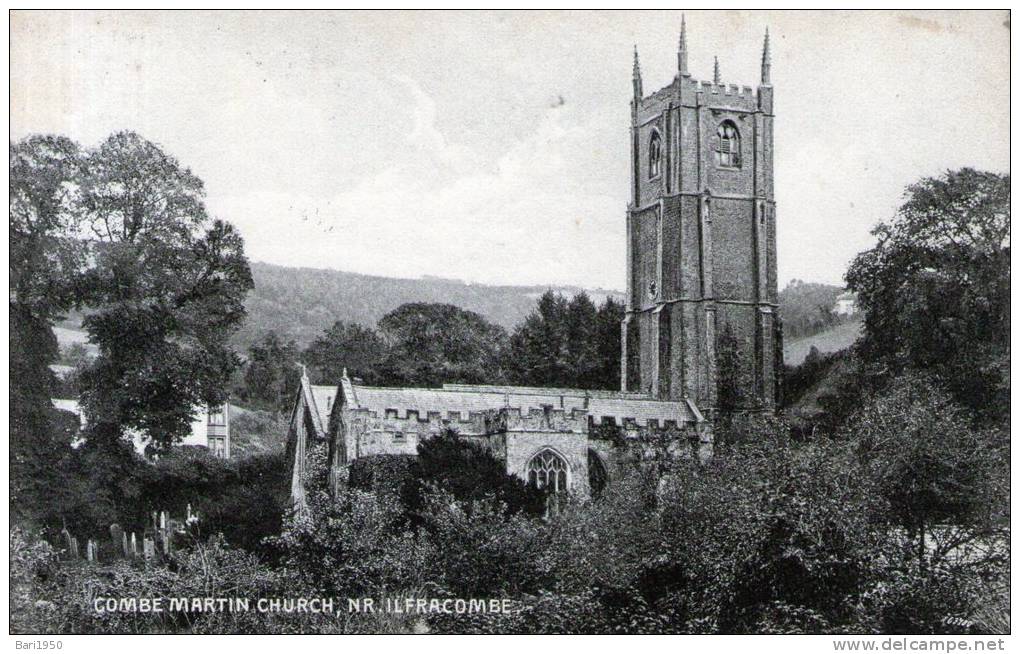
(727,151)
(654,155)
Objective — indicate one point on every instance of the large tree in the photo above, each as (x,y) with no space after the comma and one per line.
(567,343)
(345,346)
(428,344)
(935,288)
(165,286)
(272,375)
(43,261)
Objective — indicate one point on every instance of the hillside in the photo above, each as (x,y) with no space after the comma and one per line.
(795,350)
(300,303)
(806,308)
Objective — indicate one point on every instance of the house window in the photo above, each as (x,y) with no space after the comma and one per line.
(548,470)
(654,154)
(218,447)
(399,437)
(216,416)
(727,150)
(329,402)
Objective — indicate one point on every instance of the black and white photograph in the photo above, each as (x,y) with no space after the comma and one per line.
(524,322)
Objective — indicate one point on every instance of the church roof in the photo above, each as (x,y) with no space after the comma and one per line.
(465,398)
(323,397)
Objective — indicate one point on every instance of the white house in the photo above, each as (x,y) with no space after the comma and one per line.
(209,429)
(846,304)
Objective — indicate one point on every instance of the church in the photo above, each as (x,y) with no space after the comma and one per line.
(701,331)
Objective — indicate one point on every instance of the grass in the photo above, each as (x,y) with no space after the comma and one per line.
(795,350)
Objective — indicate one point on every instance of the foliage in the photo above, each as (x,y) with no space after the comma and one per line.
(429,344)
(165,287)
(42,263)
(122,229)
(35,483)
(936,287)
(567,343)
(272,375)
(732,381)
(350,544)
(806,308)
(345,346)
(253,431)
(931,466)
(301,303)
(469,472)
(383,474)
(480,548)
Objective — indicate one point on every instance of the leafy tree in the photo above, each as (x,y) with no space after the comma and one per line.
(165,285)
(608,346)
(428,344)
(943,481)
(345,346)
(42,264)
(469,472)
(567,343)
(935,288)
(272,376)
(730,382)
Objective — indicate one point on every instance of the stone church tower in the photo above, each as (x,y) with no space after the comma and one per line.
(701,321)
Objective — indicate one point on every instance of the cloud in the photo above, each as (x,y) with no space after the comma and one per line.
(537,212)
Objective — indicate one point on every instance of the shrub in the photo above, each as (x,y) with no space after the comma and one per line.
(469,472)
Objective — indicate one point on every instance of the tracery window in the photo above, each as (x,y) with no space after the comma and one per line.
(548,470)
(654,154)
(727,151)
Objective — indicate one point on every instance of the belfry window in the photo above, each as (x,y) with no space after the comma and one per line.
(727,149)
(548,470)
(654,154)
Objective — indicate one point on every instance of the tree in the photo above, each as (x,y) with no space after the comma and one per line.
(165,284)
(428,344)
(943,481)
(567,343)
(42,264)
(935,289)
(272,376)
(730,381)
(345,346)
(469,472)
(608,345)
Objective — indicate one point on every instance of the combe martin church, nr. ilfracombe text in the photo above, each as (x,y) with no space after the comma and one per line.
(701,332)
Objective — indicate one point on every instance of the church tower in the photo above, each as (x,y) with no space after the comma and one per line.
(701,321)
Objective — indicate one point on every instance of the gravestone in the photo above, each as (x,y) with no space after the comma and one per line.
(117,537)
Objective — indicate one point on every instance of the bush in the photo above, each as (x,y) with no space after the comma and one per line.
(469,472)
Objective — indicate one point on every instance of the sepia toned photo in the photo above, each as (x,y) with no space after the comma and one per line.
(511,322)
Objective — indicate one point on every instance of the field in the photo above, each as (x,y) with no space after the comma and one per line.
(832,340)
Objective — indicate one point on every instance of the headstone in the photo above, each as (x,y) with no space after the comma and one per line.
(124,544)
(70,544)
(134,546)
(90,550)
(149,548)
(117,537)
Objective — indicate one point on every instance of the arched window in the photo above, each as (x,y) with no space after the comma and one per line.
(727,150)
(547,469)
(654,154)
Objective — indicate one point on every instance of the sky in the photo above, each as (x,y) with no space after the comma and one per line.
(493,146)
